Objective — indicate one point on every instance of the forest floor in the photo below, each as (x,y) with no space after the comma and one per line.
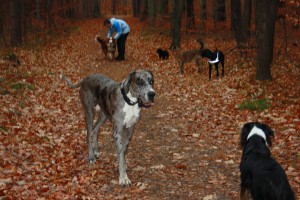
(186,146)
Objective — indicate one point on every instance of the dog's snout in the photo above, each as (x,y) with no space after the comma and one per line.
(151,95)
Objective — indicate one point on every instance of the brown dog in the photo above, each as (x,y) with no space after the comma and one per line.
(108,47)
(111,47)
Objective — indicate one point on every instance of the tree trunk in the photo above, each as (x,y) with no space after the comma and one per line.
(163,7)
(144,10)
(220,10)
(1,19)
(15,14)
(49,10)
(228,14)
(151,10)
(136,8)
(209,15)
(246,20)
(2,24)
(114,7)
(38,11)
(190,25)
(236,20)
(202,13)
(96,9)
(177,8)
(265,16)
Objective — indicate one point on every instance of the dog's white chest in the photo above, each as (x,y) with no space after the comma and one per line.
(132,114)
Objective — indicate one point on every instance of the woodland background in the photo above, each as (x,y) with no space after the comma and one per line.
(184,147)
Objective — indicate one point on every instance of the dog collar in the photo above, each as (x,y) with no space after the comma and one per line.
(216,60)
(259,132)
(125,97)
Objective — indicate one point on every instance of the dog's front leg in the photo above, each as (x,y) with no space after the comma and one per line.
(122,137)
(244,194)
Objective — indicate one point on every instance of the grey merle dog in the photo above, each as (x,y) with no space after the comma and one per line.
(120,103)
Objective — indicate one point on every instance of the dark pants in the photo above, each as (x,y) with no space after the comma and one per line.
(121,46)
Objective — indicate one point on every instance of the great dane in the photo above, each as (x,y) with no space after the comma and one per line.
(120,103)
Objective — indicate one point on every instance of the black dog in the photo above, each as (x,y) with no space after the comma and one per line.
(214,59)
(163,54)
(260,173)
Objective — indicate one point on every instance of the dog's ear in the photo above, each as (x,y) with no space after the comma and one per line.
(151,73)
(269,133)
(131,77)
(245,132)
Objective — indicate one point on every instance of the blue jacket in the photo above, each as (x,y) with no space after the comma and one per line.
(119,26)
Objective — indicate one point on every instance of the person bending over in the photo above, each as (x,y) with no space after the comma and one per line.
(122,30)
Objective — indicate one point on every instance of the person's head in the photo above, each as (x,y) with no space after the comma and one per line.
(106,23)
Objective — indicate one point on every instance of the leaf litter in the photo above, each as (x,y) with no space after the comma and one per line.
(184,147)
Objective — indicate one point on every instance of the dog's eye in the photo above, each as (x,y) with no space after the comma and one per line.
(151,82)
(140,82)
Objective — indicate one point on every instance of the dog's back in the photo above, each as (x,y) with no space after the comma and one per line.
(103,44)
(260,173)
(187,57)
(163,54)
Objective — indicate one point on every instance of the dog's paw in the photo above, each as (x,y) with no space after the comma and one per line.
(124,181)
(92,160)
(97,154)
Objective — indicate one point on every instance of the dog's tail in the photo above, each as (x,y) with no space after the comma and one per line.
(70,84)
(98,39)
(201,42)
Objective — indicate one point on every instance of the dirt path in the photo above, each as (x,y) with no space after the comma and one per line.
(184,147)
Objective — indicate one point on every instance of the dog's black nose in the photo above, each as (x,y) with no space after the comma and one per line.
(151,95)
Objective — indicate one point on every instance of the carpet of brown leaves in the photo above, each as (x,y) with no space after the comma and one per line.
(184,147)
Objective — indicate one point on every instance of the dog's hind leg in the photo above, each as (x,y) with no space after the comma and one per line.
(217,68)
(101,120)
(181,67)
(87,101)
(222,63)
(198,65)
(210,68)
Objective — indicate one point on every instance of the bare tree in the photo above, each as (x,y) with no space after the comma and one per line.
(202,13)
(246,20)
(236,20)
(265,16)
(96,8)
(190,15)
(15,16)
(163,7)
(144,9)
(136,7)
(177,8)
(209,14)
(151,10)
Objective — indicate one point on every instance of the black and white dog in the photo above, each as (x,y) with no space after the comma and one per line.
(214,58)
(162,54)
(260,173)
